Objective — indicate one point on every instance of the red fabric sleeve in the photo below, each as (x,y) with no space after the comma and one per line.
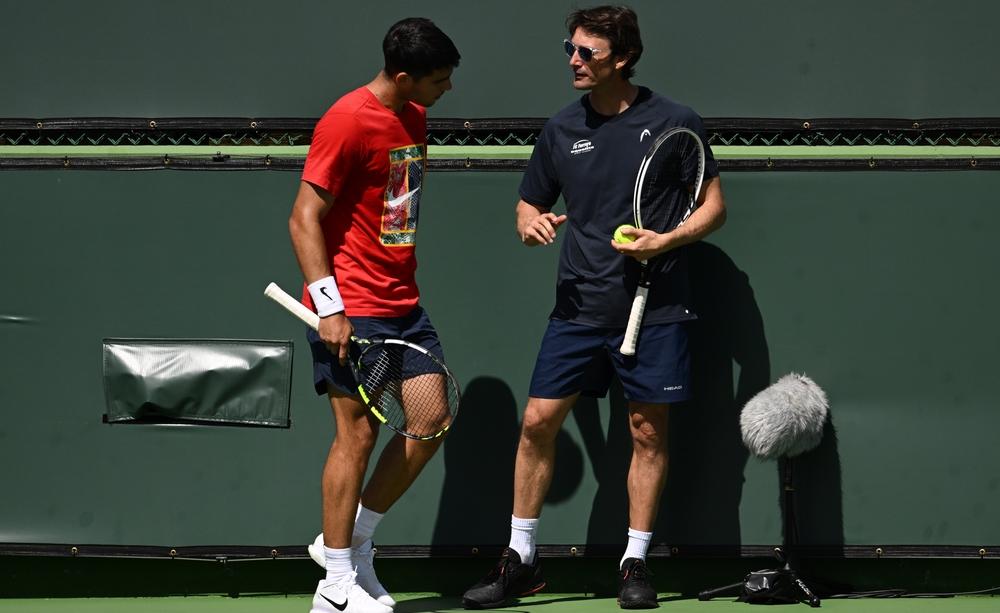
(334,152)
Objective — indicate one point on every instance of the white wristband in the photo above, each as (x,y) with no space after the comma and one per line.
(326,297)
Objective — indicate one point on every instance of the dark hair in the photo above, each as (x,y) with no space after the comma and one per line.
(417,47)
(618,24)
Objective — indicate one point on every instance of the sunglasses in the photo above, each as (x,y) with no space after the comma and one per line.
(586,53)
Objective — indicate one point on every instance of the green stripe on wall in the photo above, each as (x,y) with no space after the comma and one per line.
(503,152)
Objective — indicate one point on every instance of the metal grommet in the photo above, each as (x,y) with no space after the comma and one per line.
(467,125)
(674,551)
(166,160)
(267,160)
(878,552)
(805,125)
(66,162)
(274,553)
(871,163)
(468,162)
(38,125)
(916,125)
(573,551)
(152,124)
(778,551)
(173,553)
(253,125)
(972,162)
(374,550)
(770,163)
(73,550)
(475,551)
(982,553)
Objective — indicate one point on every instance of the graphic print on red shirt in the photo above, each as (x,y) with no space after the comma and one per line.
(402,196)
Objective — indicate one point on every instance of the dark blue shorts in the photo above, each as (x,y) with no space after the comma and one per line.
(576,358)
(414,327)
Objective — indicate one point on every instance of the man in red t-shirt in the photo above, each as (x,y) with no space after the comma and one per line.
(353,228)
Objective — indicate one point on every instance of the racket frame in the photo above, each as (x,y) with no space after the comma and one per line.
(631,338)
(311,319)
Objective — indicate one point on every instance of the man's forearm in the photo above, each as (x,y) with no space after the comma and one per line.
(310,248)
(707,218)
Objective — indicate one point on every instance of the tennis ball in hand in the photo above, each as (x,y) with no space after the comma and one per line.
(622,238)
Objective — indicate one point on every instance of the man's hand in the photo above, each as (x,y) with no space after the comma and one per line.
(647,244)
(535,226)
(336,331)
(709,216)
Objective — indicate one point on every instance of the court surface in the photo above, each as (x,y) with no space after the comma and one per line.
(429,603)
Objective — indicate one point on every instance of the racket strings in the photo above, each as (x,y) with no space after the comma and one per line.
(664,197)
(410,389)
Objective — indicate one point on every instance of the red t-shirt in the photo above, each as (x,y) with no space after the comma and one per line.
(372,160)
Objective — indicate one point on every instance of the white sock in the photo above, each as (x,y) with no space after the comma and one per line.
(365,523)
(522,537)
(338,564)
(638,544)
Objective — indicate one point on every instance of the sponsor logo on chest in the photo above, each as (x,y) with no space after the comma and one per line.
(581,146)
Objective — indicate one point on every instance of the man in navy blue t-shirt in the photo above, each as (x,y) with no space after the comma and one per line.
(589,153)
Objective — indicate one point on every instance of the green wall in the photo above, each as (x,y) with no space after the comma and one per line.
(871,283)
(727,58)
(876,284)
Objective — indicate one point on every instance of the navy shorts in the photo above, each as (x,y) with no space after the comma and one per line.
(414,327)
(576,358)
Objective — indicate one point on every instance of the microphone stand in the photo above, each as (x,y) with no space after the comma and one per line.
(785,555)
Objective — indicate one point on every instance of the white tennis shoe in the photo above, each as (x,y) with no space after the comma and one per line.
(316,551)
(345,597)
(363,559)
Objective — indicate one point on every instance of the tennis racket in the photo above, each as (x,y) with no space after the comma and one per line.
(405,386)
(666,191)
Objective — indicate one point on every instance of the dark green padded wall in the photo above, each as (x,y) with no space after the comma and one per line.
(771,58)
(878,285)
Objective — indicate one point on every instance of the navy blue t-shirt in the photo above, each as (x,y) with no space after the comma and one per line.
(592,160)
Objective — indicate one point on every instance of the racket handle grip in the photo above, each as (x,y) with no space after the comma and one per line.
(292,305)
(634,321)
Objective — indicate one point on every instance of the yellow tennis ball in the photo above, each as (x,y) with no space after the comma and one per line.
(622,238)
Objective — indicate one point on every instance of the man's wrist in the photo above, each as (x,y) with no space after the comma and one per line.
(326,297)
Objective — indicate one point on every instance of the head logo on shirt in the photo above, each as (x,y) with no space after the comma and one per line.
(581,146)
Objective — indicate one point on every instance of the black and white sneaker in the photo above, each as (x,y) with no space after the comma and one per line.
(345,597)
(508,580)
(636,592)
(363,559)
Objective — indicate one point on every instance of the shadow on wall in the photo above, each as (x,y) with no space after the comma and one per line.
(479,468)
(478,490)
(819,507)
(700,503)
(701,500)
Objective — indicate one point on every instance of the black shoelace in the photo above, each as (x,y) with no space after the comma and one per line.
(500,569)
(638,572)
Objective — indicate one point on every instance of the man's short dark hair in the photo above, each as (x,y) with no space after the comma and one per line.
(417,47)
(618,24)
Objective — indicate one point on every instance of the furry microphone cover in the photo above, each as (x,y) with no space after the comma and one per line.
(785,419)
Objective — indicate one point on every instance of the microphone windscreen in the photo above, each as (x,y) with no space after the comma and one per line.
(784,419)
